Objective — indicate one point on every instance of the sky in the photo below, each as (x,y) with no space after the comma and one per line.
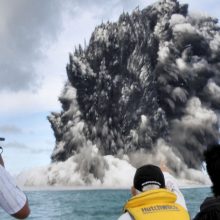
(36,38)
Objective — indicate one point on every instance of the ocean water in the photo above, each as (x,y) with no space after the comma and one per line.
(91,204)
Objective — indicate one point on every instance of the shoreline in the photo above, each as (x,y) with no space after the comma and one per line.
(91,188)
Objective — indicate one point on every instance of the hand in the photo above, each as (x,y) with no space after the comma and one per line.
(133,191)
(164,167)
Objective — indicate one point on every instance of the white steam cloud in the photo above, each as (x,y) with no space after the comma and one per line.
(89,169)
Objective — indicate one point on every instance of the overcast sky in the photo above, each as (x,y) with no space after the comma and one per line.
(36,37)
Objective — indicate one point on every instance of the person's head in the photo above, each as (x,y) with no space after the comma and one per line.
(147,177)
(212,159)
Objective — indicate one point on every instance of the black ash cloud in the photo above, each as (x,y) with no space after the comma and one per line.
(153,74)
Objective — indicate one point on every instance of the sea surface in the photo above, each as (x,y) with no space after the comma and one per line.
(91,204)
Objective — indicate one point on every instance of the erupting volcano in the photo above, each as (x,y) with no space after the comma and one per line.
(152,77)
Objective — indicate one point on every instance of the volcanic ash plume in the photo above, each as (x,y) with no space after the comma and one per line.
(146,88)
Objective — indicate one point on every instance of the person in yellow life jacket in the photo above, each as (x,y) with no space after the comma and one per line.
(152,200)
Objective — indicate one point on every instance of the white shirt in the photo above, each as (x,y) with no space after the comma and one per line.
(172,185)
(12,199)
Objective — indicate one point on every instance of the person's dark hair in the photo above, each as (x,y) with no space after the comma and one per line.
(212,159)
(211,215)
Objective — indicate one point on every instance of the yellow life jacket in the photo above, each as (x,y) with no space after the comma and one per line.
(156,204)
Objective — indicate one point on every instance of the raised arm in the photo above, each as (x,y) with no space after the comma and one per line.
(12,199)
(23,213)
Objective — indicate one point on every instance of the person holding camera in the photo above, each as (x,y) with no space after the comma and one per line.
(12,199)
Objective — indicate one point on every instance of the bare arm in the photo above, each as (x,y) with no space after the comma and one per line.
(13,200)
(23,213)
